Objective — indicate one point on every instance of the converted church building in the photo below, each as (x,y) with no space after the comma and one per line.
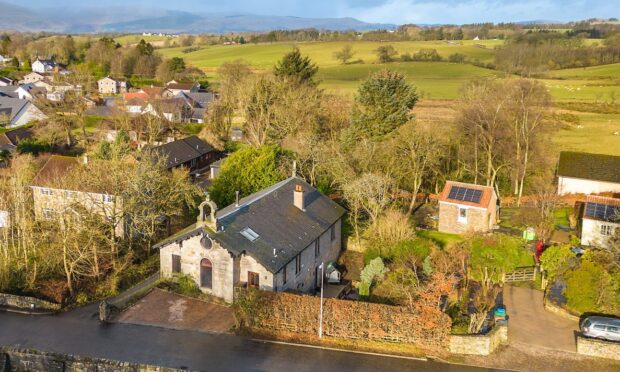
(274,240)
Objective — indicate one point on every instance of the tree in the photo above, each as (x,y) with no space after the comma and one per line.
(5,43)
(554,260)
(386,53)
(345,54)
(294,66)
(383,103)
(248,170)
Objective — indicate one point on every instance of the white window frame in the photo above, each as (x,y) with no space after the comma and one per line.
(460,217)
(607,230)
(108,198)
(46,191)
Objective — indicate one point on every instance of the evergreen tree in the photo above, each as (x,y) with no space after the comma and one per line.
(293,65)
(383,104)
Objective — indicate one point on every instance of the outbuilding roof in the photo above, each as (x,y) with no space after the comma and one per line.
(467,194)
(597,167)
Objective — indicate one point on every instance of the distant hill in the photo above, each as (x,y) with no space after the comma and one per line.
(133,19)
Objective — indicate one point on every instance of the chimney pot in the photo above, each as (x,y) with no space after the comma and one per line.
(299,198)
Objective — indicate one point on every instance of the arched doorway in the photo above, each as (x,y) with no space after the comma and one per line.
(206,273)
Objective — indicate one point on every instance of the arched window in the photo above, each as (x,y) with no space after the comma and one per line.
(206,273)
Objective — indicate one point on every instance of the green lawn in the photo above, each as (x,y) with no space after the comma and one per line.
(594,72)
(440,238)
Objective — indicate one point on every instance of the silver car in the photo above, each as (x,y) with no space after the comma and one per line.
(601,327)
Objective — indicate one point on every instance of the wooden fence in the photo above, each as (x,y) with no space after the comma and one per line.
(521,274)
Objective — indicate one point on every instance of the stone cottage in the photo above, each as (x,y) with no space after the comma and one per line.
(601,219)
(274,240)
(466,207)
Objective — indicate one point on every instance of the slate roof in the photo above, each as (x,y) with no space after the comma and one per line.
(181,151)
(597,167)
(12,106)
(485,199)
(6,80)
(11,138)
(180,86)
(200,99)
(9,91)
(280,225)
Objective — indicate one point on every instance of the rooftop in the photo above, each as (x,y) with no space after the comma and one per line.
(467,194)
(602,208)
(588,166)
(181,151)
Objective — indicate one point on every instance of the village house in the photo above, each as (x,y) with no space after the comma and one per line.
(11,138)
(24,91)
(43,65)
(584,173)
(466,207)
(600,220)
(109,85)
(174,88)
(190,153)
(33,77)
(6,81)
(15,112)
(52,199)
(273,240)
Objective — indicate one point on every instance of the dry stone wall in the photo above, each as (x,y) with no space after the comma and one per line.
(22,302)
(16,359)
(479,344)
(598,348)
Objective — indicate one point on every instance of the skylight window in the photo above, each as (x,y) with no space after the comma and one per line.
(249,234)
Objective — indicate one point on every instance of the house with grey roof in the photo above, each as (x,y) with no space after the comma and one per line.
(15,112)
(273,240)
(585,173)
(191,153)
(44,65)
(5,81)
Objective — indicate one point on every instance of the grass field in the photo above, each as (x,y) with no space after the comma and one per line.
(596,134)
(322,53)
(434,80)
(611,71)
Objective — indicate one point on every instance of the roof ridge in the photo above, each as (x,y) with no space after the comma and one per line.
(254,198)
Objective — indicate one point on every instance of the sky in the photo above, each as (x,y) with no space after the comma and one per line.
(383,11)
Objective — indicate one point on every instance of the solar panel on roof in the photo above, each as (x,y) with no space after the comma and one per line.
(465,194)
(603,212)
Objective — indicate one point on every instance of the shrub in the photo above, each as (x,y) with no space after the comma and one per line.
(589,288)
(555,259)
(374,270)
(490,257)
(457,58)
(427,55)
(188,287)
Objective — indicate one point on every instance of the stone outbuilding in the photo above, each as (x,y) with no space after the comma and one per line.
(466,207)
(274,240)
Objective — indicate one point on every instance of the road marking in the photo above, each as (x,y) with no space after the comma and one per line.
(341,350)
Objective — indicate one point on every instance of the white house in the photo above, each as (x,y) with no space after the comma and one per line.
(600,221)
(585,173)
(6,81)
(43,65)
(273,240)
(108,85)
(15,112)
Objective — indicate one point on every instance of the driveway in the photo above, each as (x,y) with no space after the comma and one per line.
(169,310)
(530,323)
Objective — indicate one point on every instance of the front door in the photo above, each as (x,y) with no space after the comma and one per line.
(253,280)
(206,274)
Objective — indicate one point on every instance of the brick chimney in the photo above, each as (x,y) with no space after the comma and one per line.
(299,198)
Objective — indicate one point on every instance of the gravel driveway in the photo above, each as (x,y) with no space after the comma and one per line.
(529,322)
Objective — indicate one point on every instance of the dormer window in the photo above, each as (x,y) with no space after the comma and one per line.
(249,234)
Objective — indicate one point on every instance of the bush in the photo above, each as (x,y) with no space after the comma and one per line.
(427,55)
(188,287)
(457,58)
(492,256)
(589,288)
(555,260)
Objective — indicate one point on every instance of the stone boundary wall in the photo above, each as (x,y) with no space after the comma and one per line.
(17,359)
(598,348)
(22,302)
(551,307)
(479,344)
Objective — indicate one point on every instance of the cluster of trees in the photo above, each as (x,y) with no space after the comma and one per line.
(99,57)
(536,52)
(591,282)
(80,254)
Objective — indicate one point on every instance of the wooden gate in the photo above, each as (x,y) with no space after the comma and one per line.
(522,274)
